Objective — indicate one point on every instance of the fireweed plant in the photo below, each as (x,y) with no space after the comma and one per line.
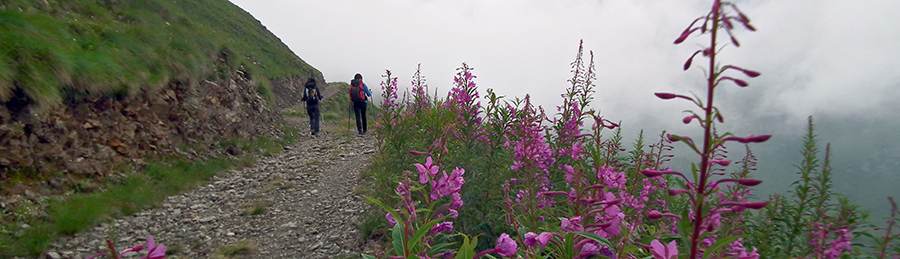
(153,251)
(564,185)
(699,224)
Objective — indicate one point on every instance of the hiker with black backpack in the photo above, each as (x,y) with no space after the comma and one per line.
(358,95)
(312,96)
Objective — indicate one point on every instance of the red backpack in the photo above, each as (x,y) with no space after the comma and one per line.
(357,93)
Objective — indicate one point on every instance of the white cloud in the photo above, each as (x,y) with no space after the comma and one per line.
(837,57)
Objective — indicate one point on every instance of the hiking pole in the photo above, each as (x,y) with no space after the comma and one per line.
(349,119)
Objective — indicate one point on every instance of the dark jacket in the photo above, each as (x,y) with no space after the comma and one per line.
(312,89)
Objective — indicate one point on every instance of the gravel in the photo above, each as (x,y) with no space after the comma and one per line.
(299,203)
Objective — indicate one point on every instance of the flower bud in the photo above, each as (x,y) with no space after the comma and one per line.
(749,182)
(654,214)
(687,64)
(665,96)
(684,35)
(721,162)
(674,192)
(418,153)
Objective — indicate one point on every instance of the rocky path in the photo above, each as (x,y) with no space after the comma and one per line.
(299,203)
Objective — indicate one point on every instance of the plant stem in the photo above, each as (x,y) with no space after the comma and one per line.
(707,136)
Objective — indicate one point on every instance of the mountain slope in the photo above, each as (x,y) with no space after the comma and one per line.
(52,52)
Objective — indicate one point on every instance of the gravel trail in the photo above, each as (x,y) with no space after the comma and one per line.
(299,203)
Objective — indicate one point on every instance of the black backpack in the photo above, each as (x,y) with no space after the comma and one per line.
(357,94)
(312,96)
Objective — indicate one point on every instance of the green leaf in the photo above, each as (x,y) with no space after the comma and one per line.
(669,237)
(569,246)
(467,250)
(421,232)
(599,239)
(684,224)
(721,243)
(439,248)
(397,236)
(388,209)
(365,256)
(630,248)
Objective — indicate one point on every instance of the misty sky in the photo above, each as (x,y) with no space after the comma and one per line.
(836,59)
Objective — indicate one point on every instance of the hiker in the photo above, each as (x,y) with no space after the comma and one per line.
(358,94)
(312,96)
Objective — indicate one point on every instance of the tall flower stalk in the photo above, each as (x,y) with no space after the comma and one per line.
(722,18)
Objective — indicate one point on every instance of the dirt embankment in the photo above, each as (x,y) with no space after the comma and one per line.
(92,137)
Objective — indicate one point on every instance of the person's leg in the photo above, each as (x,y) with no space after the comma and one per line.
(314,118)
(364,122)
(356,110)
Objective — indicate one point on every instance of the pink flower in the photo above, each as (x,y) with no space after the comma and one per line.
(532,239)
(572,225)
(663,252)
(154,252)
(588,250)
(390,219)
(456,201)
(506,247)
(427,170)
(443,227)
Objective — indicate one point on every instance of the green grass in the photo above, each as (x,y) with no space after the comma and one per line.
(63,50)
(255,209)
(241,248)
(75,213)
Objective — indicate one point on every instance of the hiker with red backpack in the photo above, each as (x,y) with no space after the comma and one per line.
(312,96)
(358,95)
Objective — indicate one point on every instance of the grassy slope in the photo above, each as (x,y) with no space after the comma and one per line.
(56,50)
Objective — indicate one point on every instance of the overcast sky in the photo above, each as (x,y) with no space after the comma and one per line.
(816,56)
(838,59)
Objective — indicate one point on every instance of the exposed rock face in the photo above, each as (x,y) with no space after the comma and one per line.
(91,136)
(296,204)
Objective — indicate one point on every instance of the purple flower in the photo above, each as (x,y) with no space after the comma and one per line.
(506,247)
(443,227)
(390,219)
(588,250)
(154,252)
(572,225)
(456,180)
(530,239)
(456,201)
(664,252)
(452,213)
(543,239)
(427,170)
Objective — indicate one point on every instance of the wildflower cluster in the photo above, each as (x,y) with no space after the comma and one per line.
(568,191)
(417,227)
